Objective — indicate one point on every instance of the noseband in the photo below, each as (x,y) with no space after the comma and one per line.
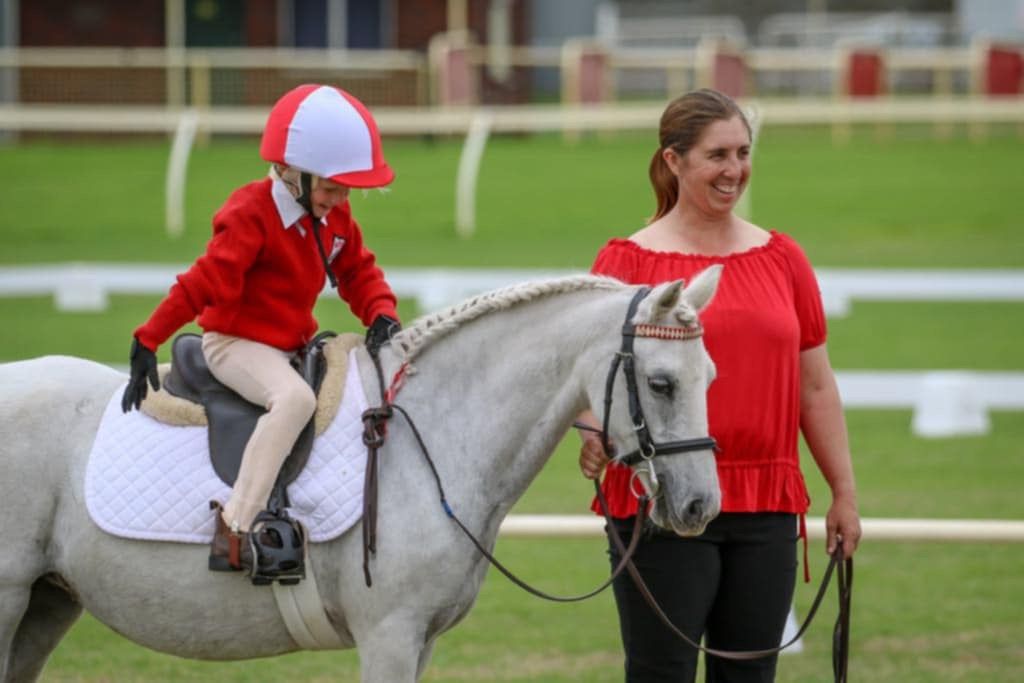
(647,449)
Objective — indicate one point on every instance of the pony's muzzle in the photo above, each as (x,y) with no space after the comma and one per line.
(685,512)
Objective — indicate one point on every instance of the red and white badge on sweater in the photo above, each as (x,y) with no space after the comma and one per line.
(336,246)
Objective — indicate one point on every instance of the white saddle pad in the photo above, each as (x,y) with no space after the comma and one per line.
(152,481)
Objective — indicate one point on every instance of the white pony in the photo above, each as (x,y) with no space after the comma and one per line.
(497,384)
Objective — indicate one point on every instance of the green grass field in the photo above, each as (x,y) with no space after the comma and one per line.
(924,612)
(901,203)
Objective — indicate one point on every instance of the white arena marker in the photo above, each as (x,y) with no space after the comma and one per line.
(949,406)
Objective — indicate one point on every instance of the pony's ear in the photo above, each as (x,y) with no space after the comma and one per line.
(658,305)
(702,288)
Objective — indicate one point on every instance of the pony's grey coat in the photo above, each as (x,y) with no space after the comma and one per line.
(492,397)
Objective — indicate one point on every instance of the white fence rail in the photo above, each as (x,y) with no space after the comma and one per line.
(944,403)
(510,118)
(875,529)
(87,286)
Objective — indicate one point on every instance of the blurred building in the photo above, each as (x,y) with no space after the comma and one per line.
(353,29)
(409,24)
(340,24)
(315,24)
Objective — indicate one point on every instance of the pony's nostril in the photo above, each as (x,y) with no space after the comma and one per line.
(695,509)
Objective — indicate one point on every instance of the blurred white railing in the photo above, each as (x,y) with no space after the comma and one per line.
(511,118)
(944,403)
(87,286)
(875,529)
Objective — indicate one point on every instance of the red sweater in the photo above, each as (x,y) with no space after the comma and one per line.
(259,279)
(766,311)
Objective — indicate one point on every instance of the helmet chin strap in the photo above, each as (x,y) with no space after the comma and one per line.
(305,200)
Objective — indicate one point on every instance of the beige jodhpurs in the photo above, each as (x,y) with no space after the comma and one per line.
(261,374)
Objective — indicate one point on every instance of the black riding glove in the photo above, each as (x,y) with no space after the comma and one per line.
(143,367)
(380,332)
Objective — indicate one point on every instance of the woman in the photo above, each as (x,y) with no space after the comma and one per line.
(765,331)
(275,242)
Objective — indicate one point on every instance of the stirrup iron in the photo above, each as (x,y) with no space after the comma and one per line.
(278,544)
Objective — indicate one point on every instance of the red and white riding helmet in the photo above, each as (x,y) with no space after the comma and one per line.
(325,131)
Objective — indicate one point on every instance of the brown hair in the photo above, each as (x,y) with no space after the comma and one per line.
(682,123)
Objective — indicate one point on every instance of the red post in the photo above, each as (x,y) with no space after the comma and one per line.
(865,74)
(585,73)
(454,77)
(729,74)
(722,66)
(1004,70)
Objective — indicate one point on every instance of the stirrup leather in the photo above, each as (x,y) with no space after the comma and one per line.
(229,550)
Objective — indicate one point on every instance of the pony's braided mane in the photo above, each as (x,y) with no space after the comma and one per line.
(412,340)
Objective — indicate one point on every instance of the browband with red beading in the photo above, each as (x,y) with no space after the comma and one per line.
(667,332)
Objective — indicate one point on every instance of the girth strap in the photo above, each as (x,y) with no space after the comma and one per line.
(303,612)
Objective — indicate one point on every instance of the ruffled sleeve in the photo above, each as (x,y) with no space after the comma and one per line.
(617,260)
(806,296)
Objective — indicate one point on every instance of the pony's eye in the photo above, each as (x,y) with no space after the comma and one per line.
(661,385)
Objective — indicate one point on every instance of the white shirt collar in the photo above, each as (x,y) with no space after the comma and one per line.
(288,209)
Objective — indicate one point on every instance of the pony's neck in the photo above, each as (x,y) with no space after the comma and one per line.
(506,387)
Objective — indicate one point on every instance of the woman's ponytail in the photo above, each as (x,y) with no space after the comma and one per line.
(666,187)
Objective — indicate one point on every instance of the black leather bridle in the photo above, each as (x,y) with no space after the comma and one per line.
(647,448)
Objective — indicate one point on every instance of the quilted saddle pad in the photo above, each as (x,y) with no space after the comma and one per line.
(153,481)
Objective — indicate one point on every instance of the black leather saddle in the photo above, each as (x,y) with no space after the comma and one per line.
(231,418)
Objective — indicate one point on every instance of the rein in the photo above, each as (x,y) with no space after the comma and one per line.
(627,553)
(374,431)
